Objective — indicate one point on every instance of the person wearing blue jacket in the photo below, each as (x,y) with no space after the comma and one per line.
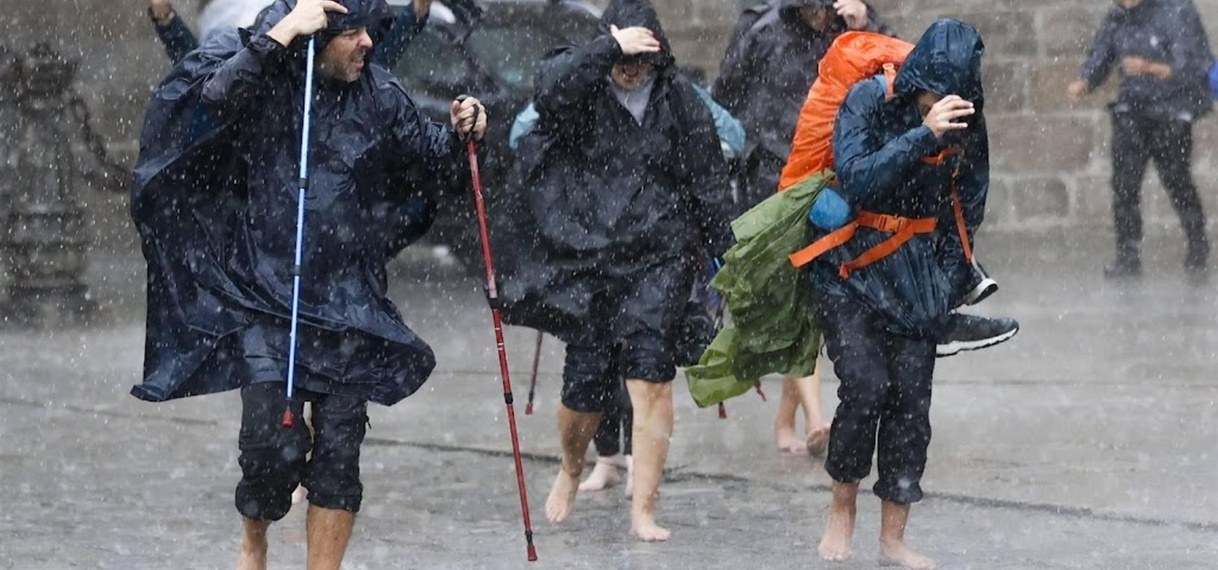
(900,161)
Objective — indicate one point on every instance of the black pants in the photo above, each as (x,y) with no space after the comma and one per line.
(614,434)
(885,388)
(1136,139)
(275,459)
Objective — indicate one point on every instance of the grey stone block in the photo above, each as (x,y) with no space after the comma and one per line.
(1040,199)
(1040,144)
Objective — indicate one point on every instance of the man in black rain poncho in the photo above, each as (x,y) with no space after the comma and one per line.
(898,159)
(622,187)
(214,200)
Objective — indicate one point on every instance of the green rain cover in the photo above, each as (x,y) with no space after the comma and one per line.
(772,327)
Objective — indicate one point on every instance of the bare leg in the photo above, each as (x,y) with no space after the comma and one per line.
(784,420)
(329,532)
(630,476)
(839,532)
(253,545)
(816,429)
(893,518)
(652,431)
(604,474)
(575,430)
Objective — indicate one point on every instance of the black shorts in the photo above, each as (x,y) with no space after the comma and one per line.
(275,459)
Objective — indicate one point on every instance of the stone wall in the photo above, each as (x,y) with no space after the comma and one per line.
(1051,160)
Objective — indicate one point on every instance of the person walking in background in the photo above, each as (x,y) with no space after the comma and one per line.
(763,80)
(1160,50)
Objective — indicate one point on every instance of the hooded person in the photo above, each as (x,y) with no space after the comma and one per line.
(621,188)
(766,73)
(215,199)
(899,160)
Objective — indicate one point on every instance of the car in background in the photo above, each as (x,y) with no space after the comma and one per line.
(492,56)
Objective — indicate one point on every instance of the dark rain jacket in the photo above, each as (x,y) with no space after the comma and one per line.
(1162,31)
(879,145)
(215,199)
(765,76)
(605,199)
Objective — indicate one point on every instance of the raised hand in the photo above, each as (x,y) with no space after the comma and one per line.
(853,11)
(942,116)
(307,18)
(636,40)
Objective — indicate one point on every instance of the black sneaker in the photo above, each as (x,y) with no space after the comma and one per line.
(970,332)
(1123,268)
(983,285)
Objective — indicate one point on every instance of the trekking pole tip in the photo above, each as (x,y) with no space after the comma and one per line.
(528,409)
(287,418)
(532,553)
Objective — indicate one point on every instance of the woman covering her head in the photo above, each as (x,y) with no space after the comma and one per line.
(621,188)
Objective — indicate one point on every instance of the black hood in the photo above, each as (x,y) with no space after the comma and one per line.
(640,13)
(946,61)
(372,14)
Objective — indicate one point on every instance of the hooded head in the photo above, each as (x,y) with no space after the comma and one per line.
(639,13)
(371,15)
(818,15)
(946,61)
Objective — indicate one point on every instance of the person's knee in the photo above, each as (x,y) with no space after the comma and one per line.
(588,382)
(646,357)
(272,464)
(333,475)
(864,382)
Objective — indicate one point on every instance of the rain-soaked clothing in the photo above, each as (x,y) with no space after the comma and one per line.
(885,388)
(274,460)
(880,322)
(215,198)
(613,212)
(879,146)
(763,81)
(1153,118)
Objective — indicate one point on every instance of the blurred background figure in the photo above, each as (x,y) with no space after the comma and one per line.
(1162,56)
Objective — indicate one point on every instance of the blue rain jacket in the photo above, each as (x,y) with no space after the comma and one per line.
(879,145)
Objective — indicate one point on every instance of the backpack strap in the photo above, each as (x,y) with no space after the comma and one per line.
(903,229)
(957,206)
(890,77)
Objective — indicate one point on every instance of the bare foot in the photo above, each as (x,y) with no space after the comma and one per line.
(839,533)
(897,552)
(298,495)
(788,442)
(645,529)
(818,440)
(562,497)
(253,546)
(629,476)
(604,474)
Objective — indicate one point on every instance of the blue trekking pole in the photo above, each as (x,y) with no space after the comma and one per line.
(300,210)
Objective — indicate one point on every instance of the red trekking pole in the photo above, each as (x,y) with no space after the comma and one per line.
(492,295)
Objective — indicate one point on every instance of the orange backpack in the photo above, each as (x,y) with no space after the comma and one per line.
(853,57)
